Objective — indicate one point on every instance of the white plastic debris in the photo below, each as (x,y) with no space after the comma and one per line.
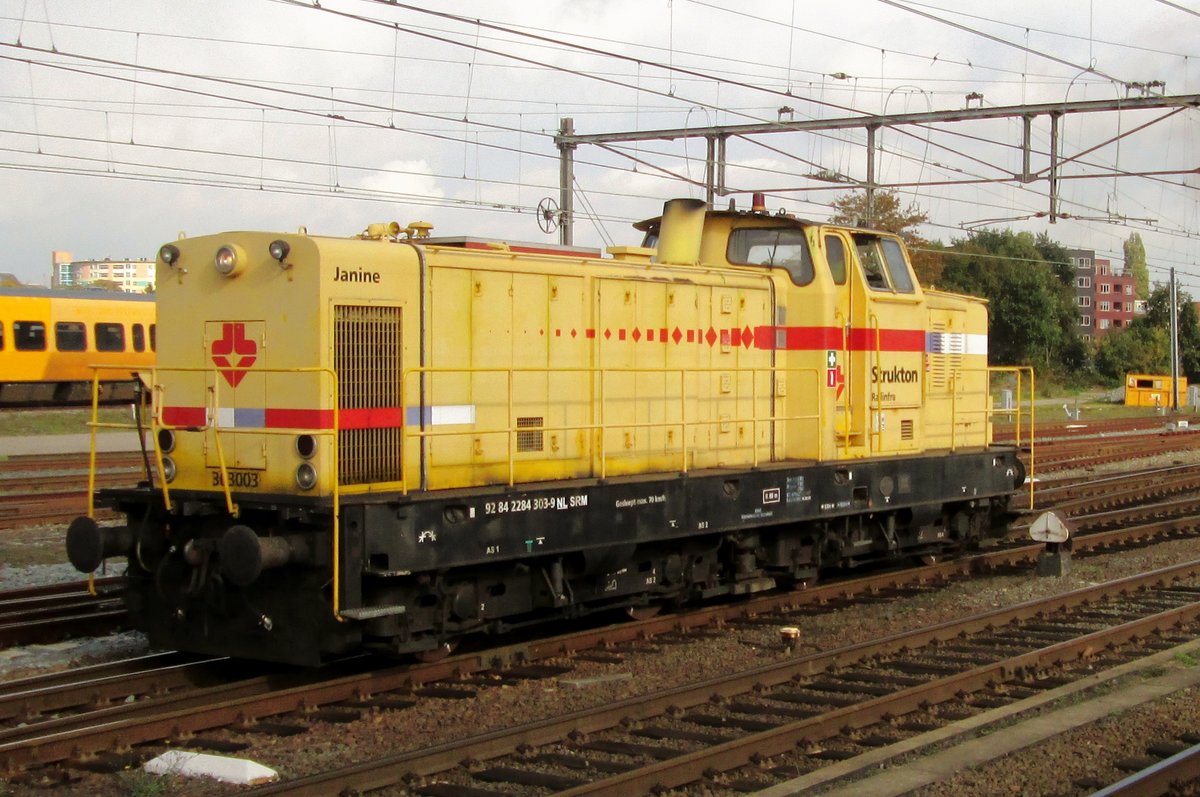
(204,765)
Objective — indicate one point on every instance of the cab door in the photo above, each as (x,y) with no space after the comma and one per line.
(848,365)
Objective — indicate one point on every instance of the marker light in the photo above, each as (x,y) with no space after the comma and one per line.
(169,254)
(166,440)
(306,446)
(168,469)
(279,250)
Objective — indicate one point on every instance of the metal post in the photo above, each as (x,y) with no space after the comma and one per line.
(871,174)
(710,170)
(1174,344)
(1025,145)
(566,181)
(1054,167)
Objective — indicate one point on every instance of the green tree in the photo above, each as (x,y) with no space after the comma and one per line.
(1145,347)
(1033,316)
(1135,264)
(889,215)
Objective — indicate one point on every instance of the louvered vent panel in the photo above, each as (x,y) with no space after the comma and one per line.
(367,361)
(906,429)
(937,360)
(530,441)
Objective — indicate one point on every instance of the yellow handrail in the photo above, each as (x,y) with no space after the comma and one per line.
(683,423)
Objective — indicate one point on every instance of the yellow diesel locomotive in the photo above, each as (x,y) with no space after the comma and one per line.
(51,339)
(391,441)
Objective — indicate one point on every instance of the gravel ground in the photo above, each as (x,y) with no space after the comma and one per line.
(1048,771)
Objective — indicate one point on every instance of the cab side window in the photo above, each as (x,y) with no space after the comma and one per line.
(110,337)
(883,263)
(139,337)
(897,266)
(70,336)
(772,246)
(835,253)
(29,336)
(1,336)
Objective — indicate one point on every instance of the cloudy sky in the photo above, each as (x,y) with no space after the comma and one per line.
(127,123)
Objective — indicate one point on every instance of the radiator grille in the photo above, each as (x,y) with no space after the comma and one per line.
(906,429)
(367,361)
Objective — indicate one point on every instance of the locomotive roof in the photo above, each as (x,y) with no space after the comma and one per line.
(648,224)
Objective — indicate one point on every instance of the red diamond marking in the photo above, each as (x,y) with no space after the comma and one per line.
(747,337)
(676,335)
(711,337)
(637,334)
(607,334)
(573,333)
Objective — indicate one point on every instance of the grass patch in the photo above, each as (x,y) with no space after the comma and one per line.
(28,422)
(1186,659)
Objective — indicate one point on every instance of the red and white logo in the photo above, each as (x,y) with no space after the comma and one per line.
(233,350)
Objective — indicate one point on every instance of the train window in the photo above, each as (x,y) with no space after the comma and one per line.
(139,337)
(109,337)
(29,336)
(773,246)
(1,336)
(154,337)
(835,253)
(70,336)
(883,263)
(897,265)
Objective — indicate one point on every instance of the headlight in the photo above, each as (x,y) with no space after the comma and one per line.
(228,260)
(166,440)
(279,250)
(306,476)
(168,469)
(169,254)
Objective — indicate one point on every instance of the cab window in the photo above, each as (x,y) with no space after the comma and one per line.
(835,254)
(897,266)
(883,263)
(70,336)
(139,337)
(154,337)
(110,337)
(29,336)
(773,246)
(1,336)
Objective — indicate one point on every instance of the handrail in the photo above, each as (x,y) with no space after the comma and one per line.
(1019,371)
(211,410)
(683,423)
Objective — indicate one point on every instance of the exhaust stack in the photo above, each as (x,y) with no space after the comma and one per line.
(680,231)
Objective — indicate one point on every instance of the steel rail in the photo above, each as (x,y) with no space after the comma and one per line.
(684,769)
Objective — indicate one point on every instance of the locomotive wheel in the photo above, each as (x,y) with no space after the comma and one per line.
(437,654)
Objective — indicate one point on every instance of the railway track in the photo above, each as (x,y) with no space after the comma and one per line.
(748,730)
(47,489)
(180,706)
(58,611)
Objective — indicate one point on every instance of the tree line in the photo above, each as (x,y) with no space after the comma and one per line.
(1029,283)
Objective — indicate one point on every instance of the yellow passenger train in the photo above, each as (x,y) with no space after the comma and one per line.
(391,441)
(50,339)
